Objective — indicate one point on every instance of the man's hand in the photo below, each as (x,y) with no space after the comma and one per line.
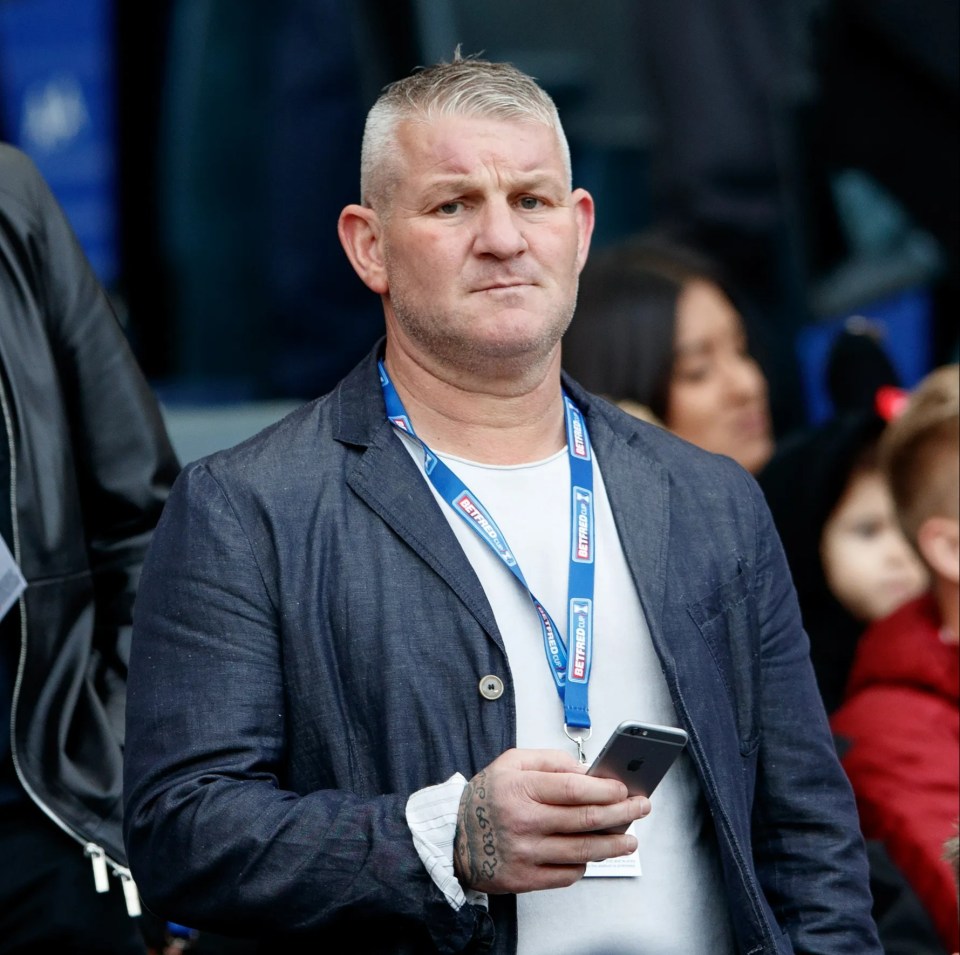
(530,820)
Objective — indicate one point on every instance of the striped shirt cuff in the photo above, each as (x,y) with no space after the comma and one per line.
(432,818)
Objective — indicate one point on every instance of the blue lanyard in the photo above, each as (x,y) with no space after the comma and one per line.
(569,662)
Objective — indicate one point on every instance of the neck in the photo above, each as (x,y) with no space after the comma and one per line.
(506,421)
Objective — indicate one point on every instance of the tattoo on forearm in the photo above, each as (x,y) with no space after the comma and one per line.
(477,838)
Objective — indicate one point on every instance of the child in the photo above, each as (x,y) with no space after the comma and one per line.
(900,722)
(850,561)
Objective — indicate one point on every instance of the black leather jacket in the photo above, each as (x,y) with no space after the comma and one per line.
(91,467)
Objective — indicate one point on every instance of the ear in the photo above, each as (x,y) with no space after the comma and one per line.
(938,540)
(359,231)
(585,214)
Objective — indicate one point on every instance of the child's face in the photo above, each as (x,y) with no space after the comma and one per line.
(867,562)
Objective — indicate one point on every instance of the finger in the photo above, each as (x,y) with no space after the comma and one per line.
(534,878)
(593,817)
(595,847)
(578,850)
(554,877)
(573,789)
(555,862)
(540,760)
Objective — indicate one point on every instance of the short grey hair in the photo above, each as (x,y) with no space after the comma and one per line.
(467,86)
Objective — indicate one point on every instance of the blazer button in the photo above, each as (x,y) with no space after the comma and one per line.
(491,687)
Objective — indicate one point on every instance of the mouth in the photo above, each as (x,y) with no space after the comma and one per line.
(898,589)
(505,285)
(501,288)
(754,425)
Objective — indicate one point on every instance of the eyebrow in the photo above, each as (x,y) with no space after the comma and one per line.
(526,182)
(692,349)
(446,185)
(701,346)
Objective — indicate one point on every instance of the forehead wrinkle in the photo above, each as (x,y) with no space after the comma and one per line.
(446,170)
(449,155)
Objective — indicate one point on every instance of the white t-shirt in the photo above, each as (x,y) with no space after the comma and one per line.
(677,906)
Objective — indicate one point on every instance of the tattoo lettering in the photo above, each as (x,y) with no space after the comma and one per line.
(476,844)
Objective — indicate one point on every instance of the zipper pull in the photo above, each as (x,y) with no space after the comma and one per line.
(98,859)
(130,894)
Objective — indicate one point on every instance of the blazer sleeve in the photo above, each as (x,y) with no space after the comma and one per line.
(809,853)
(213,838)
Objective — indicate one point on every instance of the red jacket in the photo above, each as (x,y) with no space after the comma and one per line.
(901,719)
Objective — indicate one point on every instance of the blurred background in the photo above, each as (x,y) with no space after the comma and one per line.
(204,148)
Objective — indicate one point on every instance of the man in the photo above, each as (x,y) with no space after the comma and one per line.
(900,721)
(87,467)
(351,706)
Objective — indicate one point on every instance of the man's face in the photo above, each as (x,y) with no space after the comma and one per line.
(482,243)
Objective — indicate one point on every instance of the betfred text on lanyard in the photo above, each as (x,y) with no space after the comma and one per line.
(569,661)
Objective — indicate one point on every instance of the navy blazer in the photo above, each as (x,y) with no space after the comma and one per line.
(308,643)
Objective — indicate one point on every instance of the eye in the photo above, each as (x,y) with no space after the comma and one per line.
(691,373)
(530,203)
(868,528)
(450,208)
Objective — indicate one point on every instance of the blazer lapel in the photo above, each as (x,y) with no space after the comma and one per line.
(637,487)
(391,484)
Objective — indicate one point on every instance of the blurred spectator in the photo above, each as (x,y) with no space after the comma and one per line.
(259,146)
(321,318)
(657,327)
(212,193)
(764,107)
(725,77)
(87,467)
(849,559)
(888,94)
(899,726)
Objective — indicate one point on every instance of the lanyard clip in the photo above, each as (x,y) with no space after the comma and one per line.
(579,740)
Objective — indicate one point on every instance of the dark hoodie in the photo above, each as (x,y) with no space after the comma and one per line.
(803,483)
(806,477)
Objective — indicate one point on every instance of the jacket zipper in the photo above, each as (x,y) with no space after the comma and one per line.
(101,862)
(101,881)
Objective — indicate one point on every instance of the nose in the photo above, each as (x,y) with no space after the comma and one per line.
(899,553)
(744,377)
(499,230)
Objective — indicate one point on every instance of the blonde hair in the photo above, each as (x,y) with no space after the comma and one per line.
(920,451)
(467,86)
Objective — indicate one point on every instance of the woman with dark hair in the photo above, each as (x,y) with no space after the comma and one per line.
(658,331)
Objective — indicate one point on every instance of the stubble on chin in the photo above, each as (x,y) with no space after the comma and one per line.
(455,342)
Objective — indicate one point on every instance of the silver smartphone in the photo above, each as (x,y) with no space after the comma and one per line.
(639,754)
